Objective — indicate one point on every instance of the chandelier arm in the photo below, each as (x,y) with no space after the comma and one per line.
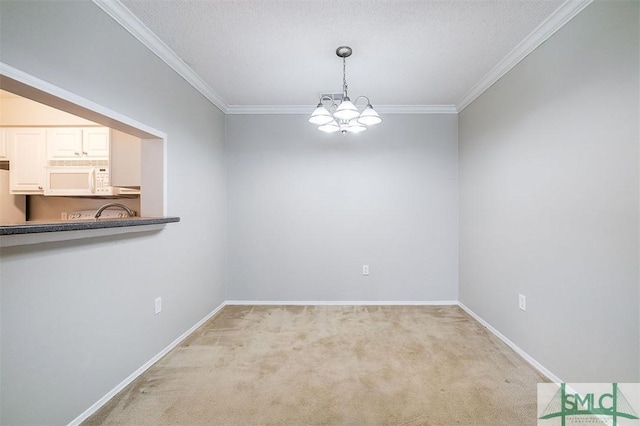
(327,98)
(361,97)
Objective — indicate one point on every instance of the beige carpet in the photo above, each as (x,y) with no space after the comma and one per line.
(333,365)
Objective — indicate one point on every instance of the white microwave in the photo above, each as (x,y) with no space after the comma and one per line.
(78,181)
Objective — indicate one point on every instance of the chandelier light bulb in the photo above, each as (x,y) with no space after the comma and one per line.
(355,126)
(330,127)
(320,116)
(346,110)
(369,117)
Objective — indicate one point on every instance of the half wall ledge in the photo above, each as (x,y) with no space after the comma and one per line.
(42,232)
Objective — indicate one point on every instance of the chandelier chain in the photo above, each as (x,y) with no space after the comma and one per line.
(344,76)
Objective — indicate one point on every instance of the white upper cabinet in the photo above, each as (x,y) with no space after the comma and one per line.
(4,152)
(27,169)
(74,143)
(95,142)
(64,143)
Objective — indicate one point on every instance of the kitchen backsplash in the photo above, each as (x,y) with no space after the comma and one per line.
(40,207)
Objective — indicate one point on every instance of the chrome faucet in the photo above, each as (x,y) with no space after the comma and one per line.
(130,212)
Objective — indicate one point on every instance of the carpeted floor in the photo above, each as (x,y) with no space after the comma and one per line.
(333,365)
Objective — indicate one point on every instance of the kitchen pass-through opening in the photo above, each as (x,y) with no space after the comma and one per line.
(153,200)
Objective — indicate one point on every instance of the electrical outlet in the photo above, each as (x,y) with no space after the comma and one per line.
(365,269)
(63,216)
(158,305)
(522,302)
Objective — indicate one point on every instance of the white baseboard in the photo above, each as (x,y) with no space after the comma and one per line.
(513,346)
(89,411)
(341,302)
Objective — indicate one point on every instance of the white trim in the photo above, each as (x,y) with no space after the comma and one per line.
(341,303)
(95,407)
(131,23)
(270,109)
(44,86)
(416,109)
(546,29)
(513,346)
(102,401)
(140,31)
(308,109)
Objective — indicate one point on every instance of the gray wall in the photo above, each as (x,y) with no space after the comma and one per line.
(77,317)
(306,210)
(549,199)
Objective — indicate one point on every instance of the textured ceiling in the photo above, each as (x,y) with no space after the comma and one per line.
(282,52)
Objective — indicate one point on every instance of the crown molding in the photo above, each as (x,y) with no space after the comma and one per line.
(416,109)
(270,109)
(131,23)
(308,109)
(546,29)
(139,30)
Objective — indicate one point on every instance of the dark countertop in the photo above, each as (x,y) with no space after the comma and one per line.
(79,225)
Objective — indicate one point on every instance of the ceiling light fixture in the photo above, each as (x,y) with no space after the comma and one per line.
(342,114)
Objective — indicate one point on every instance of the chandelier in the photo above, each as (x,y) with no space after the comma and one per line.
(342,115)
